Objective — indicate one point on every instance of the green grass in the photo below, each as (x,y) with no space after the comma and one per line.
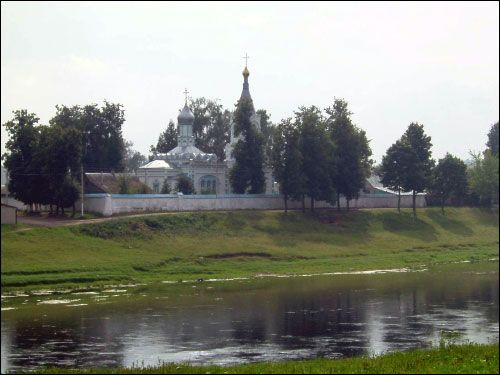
(186,246)
(454,359)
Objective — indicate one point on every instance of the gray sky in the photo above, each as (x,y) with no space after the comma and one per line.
(435,63)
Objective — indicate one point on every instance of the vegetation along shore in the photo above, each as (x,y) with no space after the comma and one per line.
(455,359)
(205,245)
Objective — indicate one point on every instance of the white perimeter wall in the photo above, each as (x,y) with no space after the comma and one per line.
(110,204)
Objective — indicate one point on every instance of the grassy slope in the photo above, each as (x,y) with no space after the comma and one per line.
(459,359)
(230,244)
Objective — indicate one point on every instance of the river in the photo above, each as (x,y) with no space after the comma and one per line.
(260,319)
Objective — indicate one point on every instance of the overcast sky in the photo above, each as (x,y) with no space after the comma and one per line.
(394,63)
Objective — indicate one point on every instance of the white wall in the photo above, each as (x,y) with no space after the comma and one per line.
(8,215)
(109,204)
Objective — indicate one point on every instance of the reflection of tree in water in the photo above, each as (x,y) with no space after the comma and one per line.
(68,342)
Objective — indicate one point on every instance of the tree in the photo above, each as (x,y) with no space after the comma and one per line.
(449,178)
(133,159)
(67,193)
(352,152)
(165,188)
(123,185)
(267,131)
(61,154)
(185,185)
(167,140)
(100,130)
(418,168)
(43,161)
(20,158)
(286,161)
(211,127)
(493,139)
(483,177)
(247,174)
(317,151)
(393,167)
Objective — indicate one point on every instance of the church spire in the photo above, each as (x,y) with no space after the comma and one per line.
(246,90)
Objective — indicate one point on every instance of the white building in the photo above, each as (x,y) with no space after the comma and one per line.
(209,176)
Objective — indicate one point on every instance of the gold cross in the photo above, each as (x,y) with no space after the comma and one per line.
(246,57)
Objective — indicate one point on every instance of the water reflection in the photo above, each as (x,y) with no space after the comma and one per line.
(245,321)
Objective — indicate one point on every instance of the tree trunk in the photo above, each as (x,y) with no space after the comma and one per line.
(303,203)
(338,201)
(347,204)
(62,210)
(51,209)
(286,204)
(312,204)
(57,210)
(442,205)
(399,200)
(414,204)
(74,210)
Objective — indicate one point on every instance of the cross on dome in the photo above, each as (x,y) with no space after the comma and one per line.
(246,57)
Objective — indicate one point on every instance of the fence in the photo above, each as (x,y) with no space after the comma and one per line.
(110,204)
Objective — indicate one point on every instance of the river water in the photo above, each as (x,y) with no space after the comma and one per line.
(226,322)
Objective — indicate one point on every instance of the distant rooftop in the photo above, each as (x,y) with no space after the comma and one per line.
(158,163)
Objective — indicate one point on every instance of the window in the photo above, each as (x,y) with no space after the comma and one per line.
(208,185)
(156,187)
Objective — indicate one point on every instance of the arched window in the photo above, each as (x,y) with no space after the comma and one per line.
(208,185)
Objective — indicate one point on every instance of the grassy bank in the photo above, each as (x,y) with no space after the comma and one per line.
(188,246)
(455,359)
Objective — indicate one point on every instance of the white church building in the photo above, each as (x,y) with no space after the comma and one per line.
(209,176)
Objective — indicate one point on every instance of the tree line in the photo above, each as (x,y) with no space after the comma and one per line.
(45,162)
(315,155)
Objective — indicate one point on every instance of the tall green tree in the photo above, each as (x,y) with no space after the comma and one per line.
(165,188)
(43,161)
(185,185)
(20,159)
(483,177)
(418,170)
(317,151)
(61,153)
(449,178)
(352,152)
(101,134)
(133,159)
(493,139)
(267,131)
(286,161)
(166,141)
(211,127)
(247,174)
(393,167)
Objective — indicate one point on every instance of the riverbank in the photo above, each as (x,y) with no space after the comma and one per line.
(208,245)
(454,359)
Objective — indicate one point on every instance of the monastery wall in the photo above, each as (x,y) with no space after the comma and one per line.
(111,204)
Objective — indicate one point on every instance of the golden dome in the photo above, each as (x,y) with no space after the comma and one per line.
(246,72)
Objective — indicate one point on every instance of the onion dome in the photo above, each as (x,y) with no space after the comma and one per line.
(186,117)
(246,73)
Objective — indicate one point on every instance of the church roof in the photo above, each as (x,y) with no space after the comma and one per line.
(188,152)
(157,164)
(110,183)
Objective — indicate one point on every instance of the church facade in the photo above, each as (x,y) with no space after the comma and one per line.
(208,175)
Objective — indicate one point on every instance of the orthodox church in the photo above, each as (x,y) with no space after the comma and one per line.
(209,176)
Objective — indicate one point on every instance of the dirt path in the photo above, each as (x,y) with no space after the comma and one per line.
(46,221)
